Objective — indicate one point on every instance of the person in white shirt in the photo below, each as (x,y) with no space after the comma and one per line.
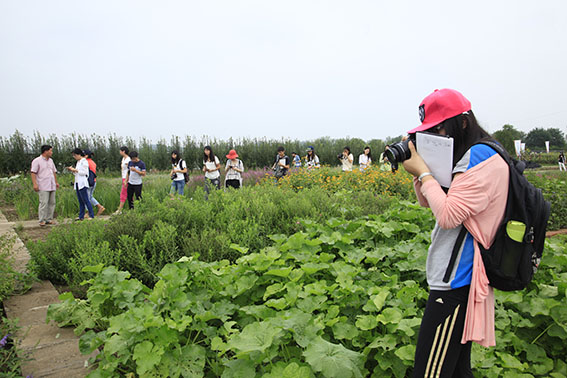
(365,159)
(178,172)
(124,151)
(81,185)
(211,167)
(234,168)
(311,159)
(346,159)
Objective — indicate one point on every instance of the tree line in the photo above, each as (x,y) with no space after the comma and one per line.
(17,151)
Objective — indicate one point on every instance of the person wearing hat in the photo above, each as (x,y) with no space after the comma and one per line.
(234,168)
(81,184)
(460,308)
(311,160)
(92,167)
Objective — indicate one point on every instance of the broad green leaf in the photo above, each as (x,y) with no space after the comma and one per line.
(406,353)
(273,289)
(292,370)
(281,272)
(254,337)
(146,356)
(344,331)
(509,361)
(333,360)
(380,298)
(390,315)
(366,322)
(239,368)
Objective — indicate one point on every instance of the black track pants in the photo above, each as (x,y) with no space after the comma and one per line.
(439,351)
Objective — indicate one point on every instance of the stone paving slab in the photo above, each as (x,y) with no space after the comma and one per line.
(52,351)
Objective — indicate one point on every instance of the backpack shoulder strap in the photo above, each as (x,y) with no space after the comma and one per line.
(454,254)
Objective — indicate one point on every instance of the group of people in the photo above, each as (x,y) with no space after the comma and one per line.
(460,308)
(346,159)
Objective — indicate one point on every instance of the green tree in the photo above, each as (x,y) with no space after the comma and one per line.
(536,138)
(506,137)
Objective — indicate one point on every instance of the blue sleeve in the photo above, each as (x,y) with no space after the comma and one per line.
(142,166)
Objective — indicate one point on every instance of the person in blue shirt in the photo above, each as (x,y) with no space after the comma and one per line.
(296,160)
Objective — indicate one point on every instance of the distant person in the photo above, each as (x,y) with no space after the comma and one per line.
(561,161)
(92,167)
(124,151)
(178,172)
(311,159)
(365,159)
(211,167)
(44,179)
(81,184)
(346,159)
(281,164)
(234,169)
(136,170)
(296,160)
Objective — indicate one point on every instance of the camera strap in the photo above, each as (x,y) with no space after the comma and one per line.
(454,254)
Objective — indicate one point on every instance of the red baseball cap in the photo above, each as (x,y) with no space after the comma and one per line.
(440,105)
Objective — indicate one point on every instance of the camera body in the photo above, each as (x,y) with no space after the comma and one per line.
(340,156)
(397,153)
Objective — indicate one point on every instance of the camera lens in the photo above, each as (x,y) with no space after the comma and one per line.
(398,153)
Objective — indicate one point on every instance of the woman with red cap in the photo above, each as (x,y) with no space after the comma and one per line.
(233,169)
(460,308)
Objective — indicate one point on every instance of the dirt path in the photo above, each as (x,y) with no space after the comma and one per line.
(53,351)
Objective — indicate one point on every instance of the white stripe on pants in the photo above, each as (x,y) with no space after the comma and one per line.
(46,205)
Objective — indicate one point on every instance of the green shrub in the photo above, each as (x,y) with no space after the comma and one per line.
(159,232)
(553,186)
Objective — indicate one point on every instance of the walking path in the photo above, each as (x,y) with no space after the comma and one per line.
(52,351)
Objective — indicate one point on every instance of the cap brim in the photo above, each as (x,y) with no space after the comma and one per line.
(422,127)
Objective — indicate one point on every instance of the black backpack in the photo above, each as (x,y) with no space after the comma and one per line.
(514,256)
(91,179)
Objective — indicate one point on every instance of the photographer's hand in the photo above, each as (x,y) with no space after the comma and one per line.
(415,165)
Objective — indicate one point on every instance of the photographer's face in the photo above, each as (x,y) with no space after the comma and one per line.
(439,129)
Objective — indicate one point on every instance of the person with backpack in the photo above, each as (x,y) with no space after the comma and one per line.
(460,308)
(81,184)
(178,174)
(92,182)
(281,164)
(234,169)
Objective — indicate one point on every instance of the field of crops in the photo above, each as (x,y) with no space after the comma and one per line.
(322,275)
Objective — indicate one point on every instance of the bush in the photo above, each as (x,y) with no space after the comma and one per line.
(553,186)
(158,232)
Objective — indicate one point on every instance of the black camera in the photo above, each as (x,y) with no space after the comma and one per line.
(340,156)
(399,152)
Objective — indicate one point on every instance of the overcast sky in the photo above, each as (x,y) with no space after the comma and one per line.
(295,68)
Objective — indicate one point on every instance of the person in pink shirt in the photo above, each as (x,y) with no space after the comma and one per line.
(460,308)
(44,179)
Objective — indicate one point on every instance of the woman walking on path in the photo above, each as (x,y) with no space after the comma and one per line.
(312,160)
(234,169)
(178,172)
(81,185)
(561,161)
(211,167)
(365,159)
(92,167)
(124,169)
(460,308)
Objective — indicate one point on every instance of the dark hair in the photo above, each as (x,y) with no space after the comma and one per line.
(347,148)
(211,156)
(78,151)
(177,157)
(311,156)
(133,154)
(125,149)
(464,137)
(45,147)
(369,152)
(280,148)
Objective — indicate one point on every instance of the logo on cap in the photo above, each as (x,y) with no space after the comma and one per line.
(421,112)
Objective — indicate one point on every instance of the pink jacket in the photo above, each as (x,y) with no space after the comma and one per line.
(477,199)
